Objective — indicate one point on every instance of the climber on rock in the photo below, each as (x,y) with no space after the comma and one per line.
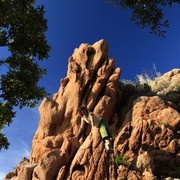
(100,123)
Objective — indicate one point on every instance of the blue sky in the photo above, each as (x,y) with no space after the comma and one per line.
(74,22)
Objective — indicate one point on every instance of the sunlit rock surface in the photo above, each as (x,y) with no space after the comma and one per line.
(145,126)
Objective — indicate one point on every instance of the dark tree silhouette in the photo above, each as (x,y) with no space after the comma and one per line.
(147,13)
(22,32)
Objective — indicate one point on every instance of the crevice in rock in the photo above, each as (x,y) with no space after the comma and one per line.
(85,93)
(79,167)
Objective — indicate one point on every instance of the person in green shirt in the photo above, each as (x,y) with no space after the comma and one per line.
(99,122)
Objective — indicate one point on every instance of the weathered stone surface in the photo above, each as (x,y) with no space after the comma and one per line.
(91,80)
(151,125)
(168,82)
(145,127)
(23,171)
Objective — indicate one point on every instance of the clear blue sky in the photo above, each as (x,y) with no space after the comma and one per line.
(74,22)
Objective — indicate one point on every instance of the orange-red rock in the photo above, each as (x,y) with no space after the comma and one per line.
(145,127)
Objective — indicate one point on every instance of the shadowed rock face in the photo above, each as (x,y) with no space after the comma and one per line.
(145,129)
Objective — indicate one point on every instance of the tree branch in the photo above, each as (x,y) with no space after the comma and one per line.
(2,62)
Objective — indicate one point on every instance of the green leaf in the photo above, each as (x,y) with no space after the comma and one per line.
(22,31)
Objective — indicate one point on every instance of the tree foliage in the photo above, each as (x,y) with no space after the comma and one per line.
(148,13)
(22,31)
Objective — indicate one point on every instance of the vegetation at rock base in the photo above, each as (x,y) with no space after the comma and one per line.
(178,87)
(22,33)
(121,159)
(147,13)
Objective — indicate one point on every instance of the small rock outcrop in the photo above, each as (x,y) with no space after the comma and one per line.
(145,126)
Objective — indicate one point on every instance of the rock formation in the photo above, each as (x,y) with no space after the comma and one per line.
(145,126)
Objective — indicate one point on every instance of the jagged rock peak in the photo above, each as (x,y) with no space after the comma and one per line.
(145,128)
